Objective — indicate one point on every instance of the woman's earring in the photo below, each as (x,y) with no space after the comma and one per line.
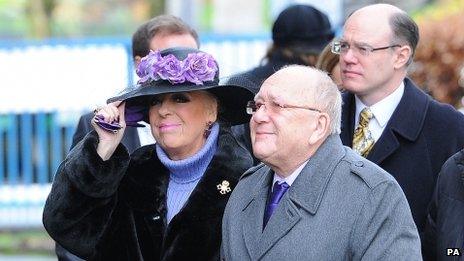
(209,124)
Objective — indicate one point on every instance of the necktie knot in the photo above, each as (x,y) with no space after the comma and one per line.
(362,138)
(278,191)
(365,116)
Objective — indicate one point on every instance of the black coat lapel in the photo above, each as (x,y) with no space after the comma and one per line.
(406,122)
(146,185)
(348,111)
(384,147)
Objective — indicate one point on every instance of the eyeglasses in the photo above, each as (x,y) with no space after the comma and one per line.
(253,107)
(341,47)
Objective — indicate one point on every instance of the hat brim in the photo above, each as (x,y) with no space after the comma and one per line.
(232,98)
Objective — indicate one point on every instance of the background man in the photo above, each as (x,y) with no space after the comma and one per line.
(327,202)
(386,118)
(160,32)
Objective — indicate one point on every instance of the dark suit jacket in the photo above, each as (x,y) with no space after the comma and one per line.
(419,137)
(130,138)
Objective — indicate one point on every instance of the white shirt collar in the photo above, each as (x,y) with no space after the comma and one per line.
(383,109)
(290,179)
(145,135)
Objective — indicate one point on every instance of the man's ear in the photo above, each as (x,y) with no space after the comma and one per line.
(137,60)
(322,128)
(402,58)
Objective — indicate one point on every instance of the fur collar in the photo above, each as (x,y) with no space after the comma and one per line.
(148,178)
(198,224)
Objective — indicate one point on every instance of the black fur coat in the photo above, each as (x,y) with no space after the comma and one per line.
(116,209)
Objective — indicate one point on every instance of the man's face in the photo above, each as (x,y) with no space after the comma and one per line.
(371,72)
(277,133)
(163,41)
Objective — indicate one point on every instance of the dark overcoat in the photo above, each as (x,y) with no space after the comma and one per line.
(116,209)
(445,222)
(419,137)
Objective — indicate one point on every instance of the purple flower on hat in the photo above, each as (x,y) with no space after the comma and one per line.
(171,69)
(196,68)
(199,68)
(147,68)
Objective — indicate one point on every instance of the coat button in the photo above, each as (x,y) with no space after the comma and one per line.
(359,163)
(156,217)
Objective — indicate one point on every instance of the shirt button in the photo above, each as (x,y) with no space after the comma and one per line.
(359,164)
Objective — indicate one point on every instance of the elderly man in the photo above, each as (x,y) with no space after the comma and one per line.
(386,118)
(313,198)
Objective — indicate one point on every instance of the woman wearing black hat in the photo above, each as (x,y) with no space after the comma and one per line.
(165,201)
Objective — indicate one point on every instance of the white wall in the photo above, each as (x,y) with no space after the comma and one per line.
(78,78)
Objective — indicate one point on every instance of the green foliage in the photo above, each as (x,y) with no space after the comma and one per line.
(11,26)
(438,10)
(28,242)
(73,18)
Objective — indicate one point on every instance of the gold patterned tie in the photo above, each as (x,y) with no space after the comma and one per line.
(362,138)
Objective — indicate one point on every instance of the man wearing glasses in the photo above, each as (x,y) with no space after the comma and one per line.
(386,118)
(313,198)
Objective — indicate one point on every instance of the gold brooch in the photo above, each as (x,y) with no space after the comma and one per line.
(224,187)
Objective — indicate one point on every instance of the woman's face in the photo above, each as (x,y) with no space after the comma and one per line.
(178,121)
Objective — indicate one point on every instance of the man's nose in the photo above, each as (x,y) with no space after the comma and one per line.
(260,114)
(348,57)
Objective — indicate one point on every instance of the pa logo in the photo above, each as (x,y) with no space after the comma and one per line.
(453,252)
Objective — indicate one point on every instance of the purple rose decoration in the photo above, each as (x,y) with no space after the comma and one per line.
(196,68)
(148,67)
(199,68)
(171,69)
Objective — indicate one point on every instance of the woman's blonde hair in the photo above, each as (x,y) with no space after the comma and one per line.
(327,60)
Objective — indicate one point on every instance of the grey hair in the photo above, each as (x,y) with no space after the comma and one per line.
(322,90)
(329,99)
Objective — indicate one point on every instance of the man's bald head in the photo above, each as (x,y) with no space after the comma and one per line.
(288,81)
(307,86)
(402,28)
(378,9)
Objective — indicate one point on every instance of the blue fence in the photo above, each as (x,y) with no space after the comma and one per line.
(34,140)
(31,147)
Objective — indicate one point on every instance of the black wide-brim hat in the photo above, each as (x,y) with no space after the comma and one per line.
(232,97)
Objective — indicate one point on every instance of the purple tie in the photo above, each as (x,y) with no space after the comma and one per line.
(277,193)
